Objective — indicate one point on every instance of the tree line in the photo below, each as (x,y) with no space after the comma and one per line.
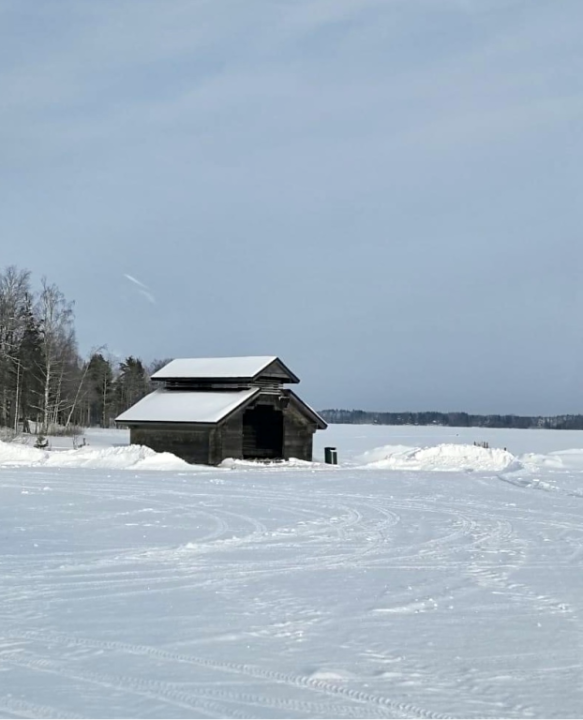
(45,384)
(454,419)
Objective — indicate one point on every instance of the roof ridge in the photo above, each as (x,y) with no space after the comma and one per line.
(226,367)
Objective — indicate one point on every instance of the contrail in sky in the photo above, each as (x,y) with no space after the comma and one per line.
(142,288)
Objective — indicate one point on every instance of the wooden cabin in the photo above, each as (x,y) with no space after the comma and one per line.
(209,409)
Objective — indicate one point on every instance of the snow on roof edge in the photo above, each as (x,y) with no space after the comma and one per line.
(185,406)
(215,367)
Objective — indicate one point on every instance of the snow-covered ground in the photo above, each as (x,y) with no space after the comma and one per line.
(423,577)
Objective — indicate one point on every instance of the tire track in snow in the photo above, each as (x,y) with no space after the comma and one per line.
(135,582)
(255,672)
(498,576)
(207,699)
(227,573)
(151,689)
(132,582)
(473,529)
(25,709)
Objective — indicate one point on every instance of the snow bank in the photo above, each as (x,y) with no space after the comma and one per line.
(467,458)
(444,458)
(124,457)
(562,460)
(134,457)
(16,454)
(113,458)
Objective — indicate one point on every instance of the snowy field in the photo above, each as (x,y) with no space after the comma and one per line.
(422,578)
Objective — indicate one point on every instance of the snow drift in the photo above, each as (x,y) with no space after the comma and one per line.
(16,454)
(447,457)
(558,461)
(444,458)
(126,457)
(134,457)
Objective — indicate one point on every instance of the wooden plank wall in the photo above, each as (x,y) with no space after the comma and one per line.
(298,433)
(232,438)
(189,443)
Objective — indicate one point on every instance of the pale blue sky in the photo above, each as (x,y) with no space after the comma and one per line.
(385,193)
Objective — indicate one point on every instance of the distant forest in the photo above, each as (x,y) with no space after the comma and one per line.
(453,419)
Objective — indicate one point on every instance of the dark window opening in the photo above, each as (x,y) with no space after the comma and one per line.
(262,433)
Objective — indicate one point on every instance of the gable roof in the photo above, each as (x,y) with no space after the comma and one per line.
(310,412)
(184,406)
(225,368)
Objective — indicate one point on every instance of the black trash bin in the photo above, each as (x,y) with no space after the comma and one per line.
(330,456)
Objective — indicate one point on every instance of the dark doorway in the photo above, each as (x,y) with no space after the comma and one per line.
(262,433)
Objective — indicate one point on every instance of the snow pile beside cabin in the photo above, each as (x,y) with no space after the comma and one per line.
(128,457)
(134,457)
(446,458)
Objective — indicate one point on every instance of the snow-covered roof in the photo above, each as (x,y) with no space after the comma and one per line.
(185,406)
(219,368)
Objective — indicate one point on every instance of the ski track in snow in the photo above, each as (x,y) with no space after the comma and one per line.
(300,592)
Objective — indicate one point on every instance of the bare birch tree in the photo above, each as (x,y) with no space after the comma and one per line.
(55,318)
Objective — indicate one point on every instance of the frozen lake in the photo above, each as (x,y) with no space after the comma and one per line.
(426,579)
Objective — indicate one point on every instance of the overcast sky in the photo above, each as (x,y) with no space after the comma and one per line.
(385,193)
